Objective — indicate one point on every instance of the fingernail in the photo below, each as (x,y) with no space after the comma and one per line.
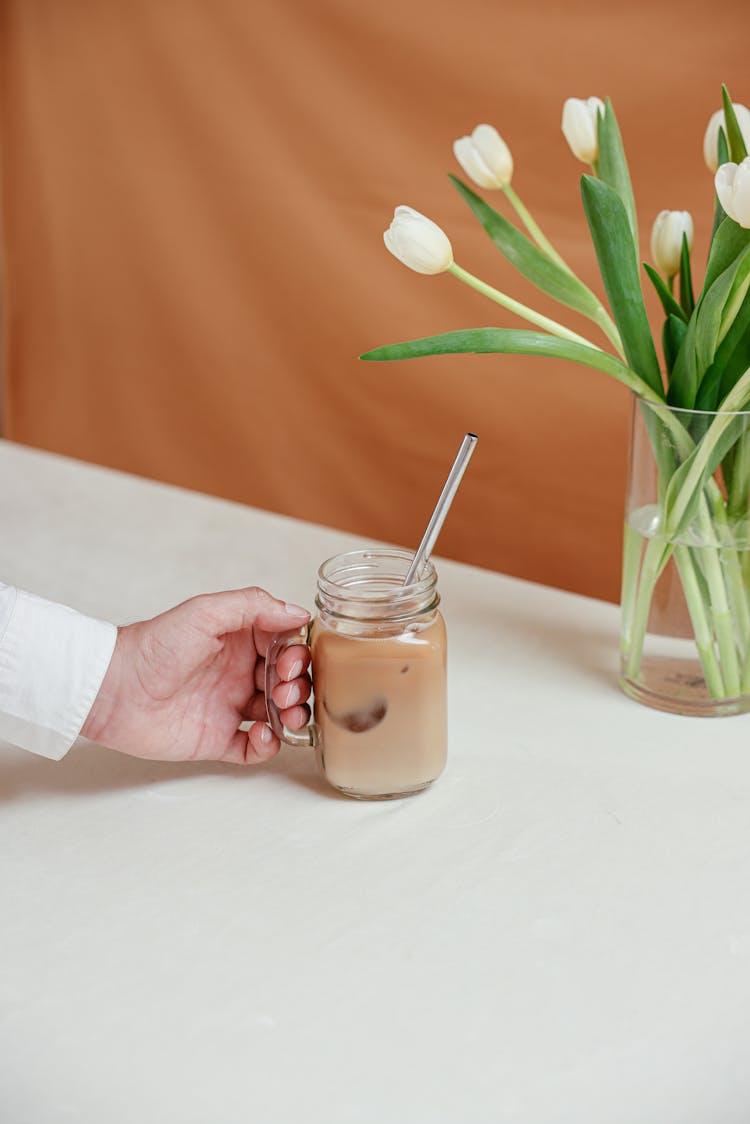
(265,735)
(293,695)
(295,610)
(295,669)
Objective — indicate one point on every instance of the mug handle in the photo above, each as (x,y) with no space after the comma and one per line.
(309,735)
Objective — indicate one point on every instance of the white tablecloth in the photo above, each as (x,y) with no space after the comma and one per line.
(558,931)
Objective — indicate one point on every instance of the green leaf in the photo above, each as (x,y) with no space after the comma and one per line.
(673,336)
(689,480)
(727,245)
(710,324)
(512,341)
(737,147)
(613,242)
(669,304)
(687,299)
(709,318)
(719,307)
(733,354)
(709,391)
(683,382)
(528,259)
(692,476)
(723,156)
(738,292)
(613,167)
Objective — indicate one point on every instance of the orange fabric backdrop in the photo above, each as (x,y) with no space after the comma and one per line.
(194,195)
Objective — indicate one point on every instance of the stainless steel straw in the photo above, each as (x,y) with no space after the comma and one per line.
(424,550)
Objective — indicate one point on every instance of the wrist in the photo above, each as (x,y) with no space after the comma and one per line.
(98,718)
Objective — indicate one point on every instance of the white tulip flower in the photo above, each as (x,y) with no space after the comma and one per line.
(711,139)
(733,188)
(485,157)
(666,240)
(418,242)
(580,126)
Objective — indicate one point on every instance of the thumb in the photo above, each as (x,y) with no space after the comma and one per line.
(236,609)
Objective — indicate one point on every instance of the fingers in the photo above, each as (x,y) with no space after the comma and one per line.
(295,717)
(260,744)
(255,711)
(291,664)
(236,609)
(286,693)
(252,748)
(290,694)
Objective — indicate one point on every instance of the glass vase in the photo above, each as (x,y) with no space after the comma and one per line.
(685,630)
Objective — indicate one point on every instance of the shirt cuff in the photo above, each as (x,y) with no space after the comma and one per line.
(52,663)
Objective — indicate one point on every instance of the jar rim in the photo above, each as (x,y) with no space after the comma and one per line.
(358,569)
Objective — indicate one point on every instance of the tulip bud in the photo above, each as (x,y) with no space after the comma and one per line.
(733,188)
(418,242)
(485,157)
(580,126)
(711,139)
(666,240)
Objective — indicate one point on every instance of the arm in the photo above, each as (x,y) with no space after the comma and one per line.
(173,688)
(52,663)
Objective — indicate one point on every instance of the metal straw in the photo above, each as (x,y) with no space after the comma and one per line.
(424,550)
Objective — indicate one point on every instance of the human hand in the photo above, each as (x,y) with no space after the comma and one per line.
(178,686)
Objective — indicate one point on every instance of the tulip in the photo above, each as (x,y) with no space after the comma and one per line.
(666,240)
(418,242)
(711,139)
(485,157)
(733,188)
(580,126)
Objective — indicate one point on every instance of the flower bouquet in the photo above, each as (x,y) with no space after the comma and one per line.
(685,640)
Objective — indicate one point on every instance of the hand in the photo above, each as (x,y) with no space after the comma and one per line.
(178,686)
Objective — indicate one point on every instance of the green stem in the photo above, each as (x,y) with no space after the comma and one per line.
(732,559)
(737,589)
(715,588)
(636,611)
(512,305)
(738,504)
(601,317)
(719,605)
(654,560)
(746,673)
(701,629)
(631,560)
(702,453)
(534,229)
(737,500)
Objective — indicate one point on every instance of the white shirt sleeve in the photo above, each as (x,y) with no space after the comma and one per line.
(52,663)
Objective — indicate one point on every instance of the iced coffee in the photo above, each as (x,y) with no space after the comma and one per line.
(379,675)
(380,707)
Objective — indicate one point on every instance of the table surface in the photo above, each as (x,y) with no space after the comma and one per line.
(557,931)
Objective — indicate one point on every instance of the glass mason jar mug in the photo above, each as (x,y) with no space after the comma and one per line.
(379,676)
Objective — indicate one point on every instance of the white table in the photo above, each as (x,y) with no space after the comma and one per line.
(558,931)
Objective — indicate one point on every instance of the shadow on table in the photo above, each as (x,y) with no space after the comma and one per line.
(89,769)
